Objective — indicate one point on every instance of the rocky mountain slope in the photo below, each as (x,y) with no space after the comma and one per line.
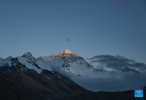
(32,79)
(9,91)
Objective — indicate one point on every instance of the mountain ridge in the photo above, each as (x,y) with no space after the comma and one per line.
(34,79)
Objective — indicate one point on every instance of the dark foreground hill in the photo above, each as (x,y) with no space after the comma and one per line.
(8,91)
(29,85)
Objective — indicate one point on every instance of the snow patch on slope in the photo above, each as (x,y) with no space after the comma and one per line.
(6,61)
(44,64)
(25,62)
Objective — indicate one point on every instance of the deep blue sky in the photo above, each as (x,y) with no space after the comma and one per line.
(94,27)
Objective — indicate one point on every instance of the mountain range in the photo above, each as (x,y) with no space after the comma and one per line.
(36,76)
(28,78)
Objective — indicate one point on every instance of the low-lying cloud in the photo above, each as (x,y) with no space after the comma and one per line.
(111,73)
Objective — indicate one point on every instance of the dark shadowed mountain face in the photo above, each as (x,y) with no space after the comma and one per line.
(65,84)
(9,91)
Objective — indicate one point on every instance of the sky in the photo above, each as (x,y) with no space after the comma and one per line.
(86,27)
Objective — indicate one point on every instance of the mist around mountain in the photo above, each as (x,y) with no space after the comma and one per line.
(68,75)
(106,72)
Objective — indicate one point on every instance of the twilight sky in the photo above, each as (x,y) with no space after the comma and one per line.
(86,27)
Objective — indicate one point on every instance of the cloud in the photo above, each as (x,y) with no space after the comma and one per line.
(112,84)
(66,40)
(108,81)
(116,74)
(118,63)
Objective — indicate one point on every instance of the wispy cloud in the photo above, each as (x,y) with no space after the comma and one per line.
(66,40)
(118,63)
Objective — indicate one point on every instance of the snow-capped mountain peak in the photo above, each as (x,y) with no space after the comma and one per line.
(29,56)
(65,54)
(68,53)
(6,61)
(71,62)
(26,54)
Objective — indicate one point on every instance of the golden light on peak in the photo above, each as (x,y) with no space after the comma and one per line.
(68,51)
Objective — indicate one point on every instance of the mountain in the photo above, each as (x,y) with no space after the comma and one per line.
(28,78)
(71,62)
(33,79)
(1,59)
